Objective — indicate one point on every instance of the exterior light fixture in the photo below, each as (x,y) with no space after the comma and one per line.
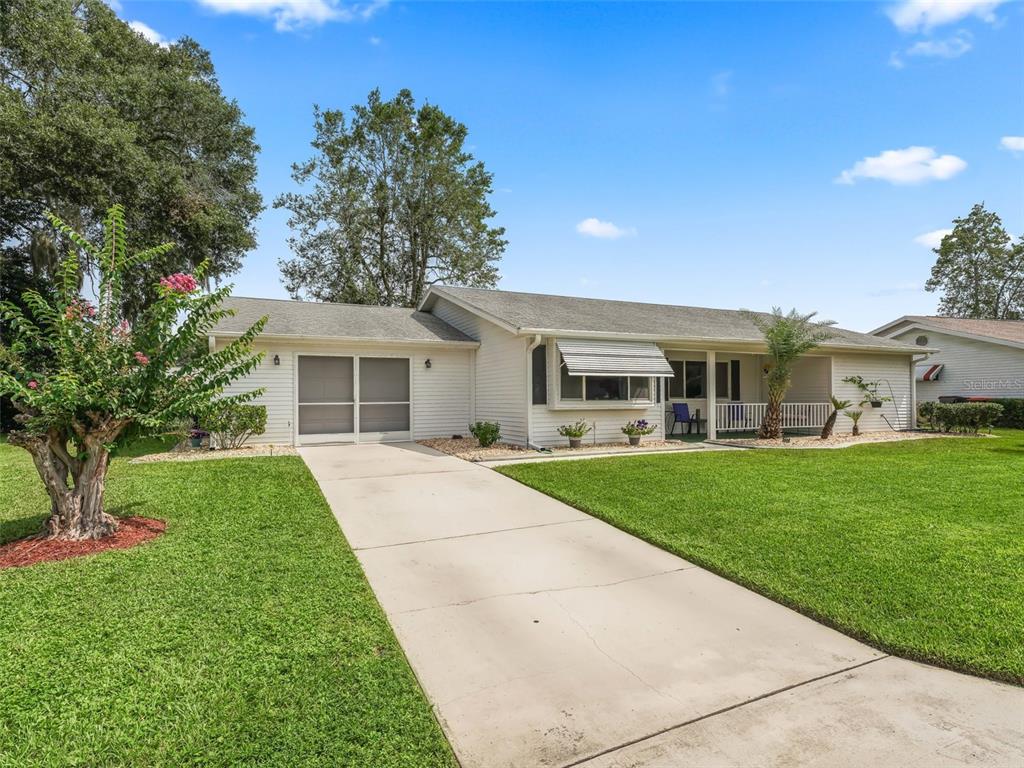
(277,359)
(427,363)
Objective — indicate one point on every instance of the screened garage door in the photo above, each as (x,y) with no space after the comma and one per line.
(353,399)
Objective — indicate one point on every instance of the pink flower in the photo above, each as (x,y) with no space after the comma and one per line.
(143,360)
(179,282)
(33,384)
(79,309)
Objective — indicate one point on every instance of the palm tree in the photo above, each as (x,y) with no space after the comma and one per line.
(830,424)
(788,335)
(854,416)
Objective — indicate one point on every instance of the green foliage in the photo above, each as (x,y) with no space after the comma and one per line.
(487,433)
(231,424)
(246,635)
(91,112)
(397,204)
(575,430)
(979,270)
(85,370)
(926,412)
(1013,412)
(868,390)
(638,428)
(912,546)
(830,423)
(965,417)
(854,416)
(788,336)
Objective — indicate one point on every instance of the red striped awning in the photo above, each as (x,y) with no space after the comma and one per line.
(929,372)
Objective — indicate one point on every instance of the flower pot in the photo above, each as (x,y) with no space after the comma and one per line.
(876,403)
(634,440)
(575,442)
(196,442)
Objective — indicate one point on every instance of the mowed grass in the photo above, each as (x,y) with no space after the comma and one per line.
(246,635)
(916,547)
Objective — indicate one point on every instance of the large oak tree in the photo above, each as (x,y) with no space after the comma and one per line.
(396,204)
(979,269)
(92,114)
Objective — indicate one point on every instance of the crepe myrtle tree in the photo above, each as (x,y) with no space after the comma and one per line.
(80,376)
(788,336)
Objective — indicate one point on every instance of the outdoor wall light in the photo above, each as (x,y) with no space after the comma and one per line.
(277,359)
(427,363)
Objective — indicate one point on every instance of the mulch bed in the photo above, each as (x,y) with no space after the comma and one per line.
(131,531)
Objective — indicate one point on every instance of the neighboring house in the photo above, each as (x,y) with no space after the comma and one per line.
(348,373)
(975,358)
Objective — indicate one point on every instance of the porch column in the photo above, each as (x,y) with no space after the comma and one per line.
(712,380)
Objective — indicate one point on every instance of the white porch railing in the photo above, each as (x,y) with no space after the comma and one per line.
(747,417)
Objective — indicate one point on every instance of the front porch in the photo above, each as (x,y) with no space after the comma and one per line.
(733,400)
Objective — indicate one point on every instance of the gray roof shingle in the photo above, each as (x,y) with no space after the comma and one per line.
(569,314)
(1005,330)
(344,321)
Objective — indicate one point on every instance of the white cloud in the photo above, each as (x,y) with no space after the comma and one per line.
(913,165)
(604,229)
(950,48)
(148,32)
(1012,143)
(294,14)
(925,15)
(932,239)
(374,40)
(721,84)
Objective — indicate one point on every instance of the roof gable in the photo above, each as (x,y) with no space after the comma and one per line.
(1008,332)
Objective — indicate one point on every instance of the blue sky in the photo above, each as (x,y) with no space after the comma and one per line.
(727,154)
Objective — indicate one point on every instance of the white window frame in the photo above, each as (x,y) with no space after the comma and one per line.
(582,403)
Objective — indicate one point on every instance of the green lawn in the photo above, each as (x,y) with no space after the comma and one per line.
(915,547)
(246,635)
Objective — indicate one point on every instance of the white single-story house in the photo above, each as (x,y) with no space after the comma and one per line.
(975,358)
(531,362)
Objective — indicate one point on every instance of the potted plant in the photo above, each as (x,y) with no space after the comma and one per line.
(574,432)
(196,437)
(634,430)
(869,391)
(854,416)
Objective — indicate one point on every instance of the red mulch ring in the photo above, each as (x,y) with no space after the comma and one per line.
(131,531)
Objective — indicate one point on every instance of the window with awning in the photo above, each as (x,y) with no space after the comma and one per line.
(929,372)
(596,370)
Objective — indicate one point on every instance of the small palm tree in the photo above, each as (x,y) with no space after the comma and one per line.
(830,423)
(788,335)
(854,416)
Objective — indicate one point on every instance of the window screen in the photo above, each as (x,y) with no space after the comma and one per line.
(571,386)
(734,374)
(540,375)
(696,378)
(721,379)
(676,383)
(325,379)
(383,380)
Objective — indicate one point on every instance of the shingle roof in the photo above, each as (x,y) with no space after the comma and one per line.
(345,321)
(534,312)
(1006,330)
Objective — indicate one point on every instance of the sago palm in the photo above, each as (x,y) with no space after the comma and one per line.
(837,406)
(788,336)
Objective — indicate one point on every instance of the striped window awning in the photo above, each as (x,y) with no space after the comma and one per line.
(597,357)
(929,372)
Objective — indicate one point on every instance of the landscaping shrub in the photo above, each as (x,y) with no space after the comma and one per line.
(486,432)
(965,417)
(1013,412)
(926,412)
(231,424)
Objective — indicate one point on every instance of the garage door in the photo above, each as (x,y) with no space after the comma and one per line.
(353,399)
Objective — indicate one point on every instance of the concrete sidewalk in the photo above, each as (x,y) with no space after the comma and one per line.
(544,637)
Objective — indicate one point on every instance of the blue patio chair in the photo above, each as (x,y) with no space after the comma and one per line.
(681,415)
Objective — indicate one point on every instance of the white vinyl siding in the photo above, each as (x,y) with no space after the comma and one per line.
(440,394)
(893,372)
(499,373)
(607,423)
(972,367)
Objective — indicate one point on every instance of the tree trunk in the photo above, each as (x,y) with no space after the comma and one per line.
(771,426)
(830,424)
(76,511)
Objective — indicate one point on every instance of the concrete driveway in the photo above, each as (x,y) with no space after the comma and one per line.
(544,637)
